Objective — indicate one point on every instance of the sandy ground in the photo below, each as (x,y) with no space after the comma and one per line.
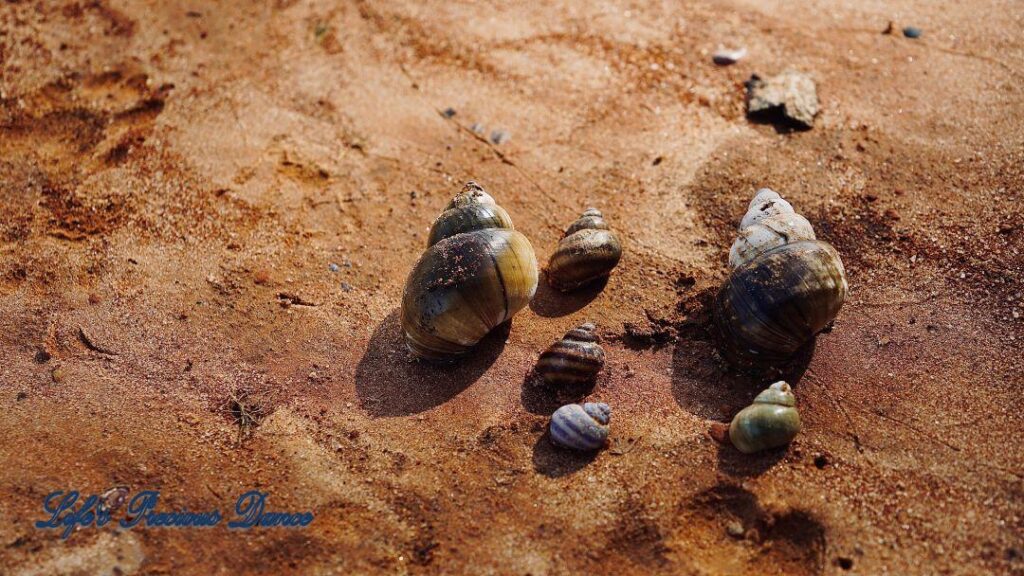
(176,177)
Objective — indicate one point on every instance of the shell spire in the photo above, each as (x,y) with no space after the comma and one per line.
(471,209)
(769,222)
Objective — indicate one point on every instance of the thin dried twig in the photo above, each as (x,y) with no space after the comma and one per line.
(246,412)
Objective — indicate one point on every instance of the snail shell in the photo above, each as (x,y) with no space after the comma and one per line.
(581,427)
(587,251)
(784,288)
(476,273)
(770,421)
(575,358)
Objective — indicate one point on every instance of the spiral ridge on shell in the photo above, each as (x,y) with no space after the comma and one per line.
(574,358)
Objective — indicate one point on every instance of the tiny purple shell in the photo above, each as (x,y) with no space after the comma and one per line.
(581,427)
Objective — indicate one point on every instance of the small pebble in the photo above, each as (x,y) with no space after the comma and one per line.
(500,137)
(477,128)
(346,262)
(346,286)
(333,267)
(448,112)
(724,57)
(734,529)
(58,375)
(912,32)
(42,357)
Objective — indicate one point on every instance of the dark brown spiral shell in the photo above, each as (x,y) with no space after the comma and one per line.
(573,359)
(772,305)
(588,251)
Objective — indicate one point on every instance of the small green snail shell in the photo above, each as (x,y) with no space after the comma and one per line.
(472,209)
(769,422)
(587,252)
(583,428)
(574,358)
(466,284)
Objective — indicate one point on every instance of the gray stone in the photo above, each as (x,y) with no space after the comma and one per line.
(724,57)
(500,137)
(912,32)
(790,98)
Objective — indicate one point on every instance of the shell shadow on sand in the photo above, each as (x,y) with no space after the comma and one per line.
(555,462)
(703,385)
(540,398)
(551,303)
(735,463)
(389,382)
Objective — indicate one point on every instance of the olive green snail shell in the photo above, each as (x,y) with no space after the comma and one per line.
(476,273)
(588,251)
(784,289)
(769,422)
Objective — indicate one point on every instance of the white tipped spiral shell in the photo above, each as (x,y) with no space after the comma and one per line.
(769,222)
(784,287)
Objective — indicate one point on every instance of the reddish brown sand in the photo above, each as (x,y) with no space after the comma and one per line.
(176,177)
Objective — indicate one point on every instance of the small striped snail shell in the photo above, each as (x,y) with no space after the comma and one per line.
(587,252)
(476,273)
(573,359)
(769,422)
(581,427)
(784,288)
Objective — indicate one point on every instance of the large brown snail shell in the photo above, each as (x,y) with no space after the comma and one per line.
(475,275)
(574,359)
(782,292)
(588,251)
